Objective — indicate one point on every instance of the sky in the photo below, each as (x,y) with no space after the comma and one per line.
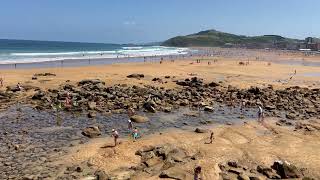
(141,21)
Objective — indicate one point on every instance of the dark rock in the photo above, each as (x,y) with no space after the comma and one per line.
(213,84)
(268,172)
(286,170)
(150,106)
(90,81)
(137,76)
(44,74)
(208,109)
(13,88)
(235,171)
(200,130)
(157,79)
(270,107)
(233,164)
(38,95)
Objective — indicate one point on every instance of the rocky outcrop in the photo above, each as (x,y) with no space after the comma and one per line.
(291,103)
(91,132)
(139,119)
(279,170)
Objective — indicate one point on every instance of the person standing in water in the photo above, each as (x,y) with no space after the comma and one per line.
(260,114)
(135,134)
(130,125)
(115,136)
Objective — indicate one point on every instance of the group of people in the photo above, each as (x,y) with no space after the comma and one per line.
(134,133)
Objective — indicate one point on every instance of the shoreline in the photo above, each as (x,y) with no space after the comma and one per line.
(273,56)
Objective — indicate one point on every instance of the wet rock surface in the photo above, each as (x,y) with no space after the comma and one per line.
(292,103)
(164,161)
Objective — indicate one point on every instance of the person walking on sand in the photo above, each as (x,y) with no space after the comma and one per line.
(197,173)
(211,137)
(260,114)
(115,136)
(1,82)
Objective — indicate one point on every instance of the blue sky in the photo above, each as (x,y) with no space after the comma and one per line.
(125,21)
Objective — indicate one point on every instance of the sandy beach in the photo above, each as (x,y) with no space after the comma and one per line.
(270,68)
(247,142)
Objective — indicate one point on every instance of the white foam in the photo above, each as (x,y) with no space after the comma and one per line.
(121,53)
(136,47)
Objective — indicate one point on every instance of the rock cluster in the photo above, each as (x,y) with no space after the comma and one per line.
(292,103)
(279,170)
(164,161)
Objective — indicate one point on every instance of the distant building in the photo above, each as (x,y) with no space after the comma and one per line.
(312,43)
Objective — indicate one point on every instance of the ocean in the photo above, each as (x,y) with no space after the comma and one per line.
(27,51)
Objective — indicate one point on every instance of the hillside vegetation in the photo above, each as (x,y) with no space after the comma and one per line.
(213,38)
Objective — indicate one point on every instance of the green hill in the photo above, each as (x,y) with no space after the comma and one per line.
(213,38)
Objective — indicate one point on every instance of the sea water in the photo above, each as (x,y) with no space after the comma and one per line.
(26,51)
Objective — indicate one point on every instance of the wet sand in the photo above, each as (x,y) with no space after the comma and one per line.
(251,144)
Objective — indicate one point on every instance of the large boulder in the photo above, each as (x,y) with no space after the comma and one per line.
(91,132)
(270,173)
(150,106)
(286,170)
(139,119)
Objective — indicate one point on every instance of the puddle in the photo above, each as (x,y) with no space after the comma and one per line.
(298,63)
(311,74)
